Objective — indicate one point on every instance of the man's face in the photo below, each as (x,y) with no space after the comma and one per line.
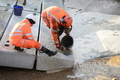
(31,25)
(63,24)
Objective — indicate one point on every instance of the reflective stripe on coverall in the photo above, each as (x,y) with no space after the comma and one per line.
(21,36)
(51,17)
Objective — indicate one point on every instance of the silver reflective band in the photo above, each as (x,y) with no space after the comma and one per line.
(23,41)
(31,38)
(44,18)
(54,17)
(28,34)
(53,30)
(56,42)
(16,31)
(52,14)
(21,26)
(15,34)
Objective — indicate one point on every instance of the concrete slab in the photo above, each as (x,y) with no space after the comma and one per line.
(59,61)
(30,5)
(48,3)
(4,18)
(11,58)
(7,3)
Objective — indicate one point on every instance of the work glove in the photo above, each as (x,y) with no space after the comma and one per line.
(47,51)
(18,49)
(58,46)
(52,53)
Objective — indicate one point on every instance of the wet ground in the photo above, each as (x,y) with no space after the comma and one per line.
(7,73)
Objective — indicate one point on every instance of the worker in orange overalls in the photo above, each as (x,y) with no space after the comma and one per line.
(21,36)
(58,20)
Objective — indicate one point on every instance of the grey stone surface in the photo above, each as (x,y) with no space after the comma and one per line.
(30,5)
(47,3)
(59,61)
(7,3)
(4,17)
(11,58)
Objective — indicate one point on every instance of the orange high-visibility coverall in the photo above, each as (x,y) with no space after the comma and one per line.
(21,36)
(51,17)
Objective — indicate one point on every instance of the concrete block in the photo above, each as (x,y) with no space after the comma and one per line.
(11,58)
(17,59)
(59,61)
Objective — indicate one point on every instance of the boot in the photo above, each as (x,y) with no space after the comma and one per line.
(47,51)
(18,49)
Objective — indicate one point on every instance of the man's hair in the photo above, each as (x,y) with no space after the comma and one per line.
(31,21)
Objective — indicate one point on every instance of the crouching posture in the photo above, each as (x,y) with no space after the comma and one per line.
(21,36)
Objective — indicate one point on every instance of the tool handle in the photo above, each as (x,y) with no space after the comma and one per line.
(24,3)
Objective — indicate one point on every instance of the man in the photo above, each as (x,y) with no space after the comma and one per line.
(58,21)
(21,36)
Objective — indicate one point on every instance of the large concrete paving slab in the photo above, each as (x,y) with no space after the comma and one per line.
(30,5)
(7,3)
(59,61)
(47,3)
(4,19)
(11,58)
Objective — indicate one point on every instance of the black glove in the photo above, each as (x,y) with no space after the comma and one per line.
(47,51)
(52,53)
(18,49)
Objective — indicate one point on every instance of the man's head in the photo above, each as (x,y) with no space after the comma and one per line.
(66,21)
(31,18)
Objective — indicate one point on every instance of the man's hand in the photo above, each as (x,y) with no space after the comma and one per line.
(58,46)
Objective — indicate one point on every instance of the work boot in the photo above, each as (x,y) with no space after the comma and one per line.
(47,51)
(18,49)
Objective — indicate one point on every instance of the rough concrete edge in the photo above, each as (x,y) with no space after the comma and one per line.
(54,57)
(19,53)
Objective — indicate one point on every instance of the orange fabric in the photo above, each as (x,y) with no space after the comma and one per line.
(52,22)
(23,39)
